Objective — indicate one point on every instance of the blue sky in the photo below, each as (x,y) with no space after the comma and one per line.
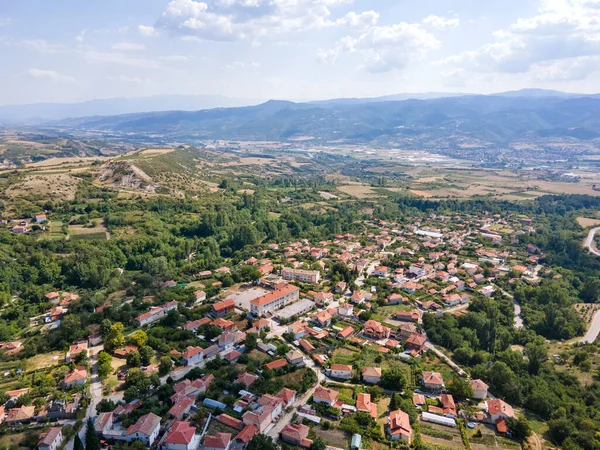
(73,50)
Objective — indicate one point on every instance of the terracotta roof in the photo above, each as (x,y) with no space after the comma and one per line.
(180,433)
(363,403)
(328,395)
(49,436)
(341,367)
(80,373)
(277,364)
(432,378)
(346,332)
(497,406)
(286,395)
(183,403)
(246,379)
(400,423)
(272,296)
(246,434)
(192,351)
(144,425)
(232,422)
(371,372)
(478,385)
(228,303)
(20,414)
(219,440)
(418,399)
(501,426)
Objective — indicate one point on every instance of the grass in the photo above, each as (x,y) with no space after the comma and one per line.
(89,237)
(335,438)
(45,360)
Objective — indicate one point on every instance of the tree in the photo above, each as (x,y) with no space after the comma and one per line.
(317,444)
(251,341)
(394,380)
(590,293)
(114,338)
(261,442)
(165,365)
(104,364)
(134,359)
(536,354)
(139,338)
(92,442)
(519,428)
(105,405)
(460,388)
(146,355)
(77,444)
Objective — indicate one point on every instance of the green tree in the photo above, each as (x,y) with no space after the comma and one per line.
(251,341)
(146,355)
(261,442)
(537,354)
(317,444)
(460,388)
(139,338)
(519,428)
(77,444)
(134,359)
(394,380)
(114,338)
(165,365)
(92,441)
(104,364)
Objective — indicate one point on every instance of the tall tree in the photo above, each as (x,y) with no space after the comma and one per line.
(92,441)
(77,444)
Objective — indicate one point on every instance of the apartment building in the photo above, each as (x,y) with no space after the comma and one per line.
(275,300)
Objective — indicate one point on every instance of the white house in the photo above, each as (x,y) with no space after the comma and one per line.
(220,441)
(51,439)
(181,436)
(324,395)
(371,375)
(480,389)
(341,371)
(193,355)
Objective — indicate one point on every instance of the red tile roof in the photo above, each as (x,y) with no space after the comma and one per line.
(219,440)
(277,364)
(180,433)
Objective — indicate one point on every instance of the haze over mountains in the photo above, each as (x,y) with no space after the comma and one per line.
(482,120)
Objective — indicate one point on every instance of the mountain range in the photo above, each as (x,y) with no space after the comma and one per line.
(491,120)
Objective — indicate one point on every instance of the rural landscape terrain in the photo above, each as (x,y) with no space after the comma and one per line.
(358,274)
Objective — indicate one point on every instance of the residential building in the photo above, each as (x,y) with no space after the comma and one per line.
(75,350)
(200,296)
(193,355)
(297,435)
(325,395)
(380,271)
(432,381)
(364,404)
(448,405)
(399,427)
(104,422)
(146,429)
(287,396)
(275,300)
(295,358)
(416,343)
(306,276)
(498,410)
(155,313)
(21,415)
(223,308)
(75,378)
(219,441)
(480,389)
(181,436)
(51,439)
(376,330)
(267,409)
(340,371)
(371,375)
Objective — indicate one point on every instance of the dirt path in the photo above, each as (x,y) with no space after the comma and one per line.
(589,242)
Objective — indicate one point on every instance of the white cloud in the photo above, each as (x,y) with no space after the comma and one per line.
(441,23)
(556,43)
(81,36)
(147,30)
(51,75)
(230,20)
(128,46)
(176,58)
(385,48)
(42,46)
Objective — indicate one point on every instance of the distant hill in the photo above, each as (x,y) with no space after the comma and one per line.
(488,120)
(114,106)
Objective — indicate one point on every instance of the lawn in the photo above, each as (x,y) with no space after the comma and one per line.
(44,360)
(335,438)
(88,237)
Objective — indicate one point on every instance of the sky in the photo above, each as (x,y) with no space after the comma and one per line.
(73,50)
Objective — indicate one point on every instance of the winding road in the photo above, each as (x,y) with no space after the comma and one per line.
(589,242)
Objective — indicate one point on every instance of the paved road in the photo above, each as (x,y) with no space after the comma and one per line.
(593,330)
(589,242)
(287,417)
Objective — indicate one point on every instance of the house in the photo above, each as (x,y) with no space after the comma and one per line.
(246,434)
(231,422)
(480,389)
(277,364)
(297,435)
(306,276)
(193,355)
(95,339)
(219,441)
(169,284)
(181,436)
(371,375)
(246,379)
(295,358)
(200,296)
(75,378)
(287,396)
(182,406)
(155,313)
(306,346)
(448,405)
(11,348)
(223,308)
(268,408)
(432,381)
(381,272)
(21,415)
(53,297)
(321,298)
(498,410)
(376,330)
(416,343)
(324,395)
(146,429)
(51,439)
(364,404)
(104,422)
(224,324)
(75,350)
(346,332)
(346,309)
(61,410)
(399,427)
(341,371)
(340,287)
(323,318)
(418,400)
(275,300)
(409,316)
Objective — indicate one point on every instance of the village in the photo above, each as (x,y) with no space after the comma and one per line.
(325,344)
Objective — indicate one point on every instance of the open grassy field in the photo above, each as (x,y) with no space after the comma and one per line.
(56,186)
(586,222)
(44,360)
(334,438)
(358,191)
(83,233)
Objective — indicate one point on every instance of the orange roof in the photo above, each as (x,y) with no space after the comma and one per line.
(497,406)
(432,378)
(328,395)
(286,395)
(232,422)
(246,434)
(400,423)
(219,440)
(371,372)
(346,332)
(228,303)
(275,295)
(277,364)
(341,367)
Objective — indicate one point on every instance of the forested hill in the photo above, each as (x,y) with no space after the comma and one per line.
(486,119)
